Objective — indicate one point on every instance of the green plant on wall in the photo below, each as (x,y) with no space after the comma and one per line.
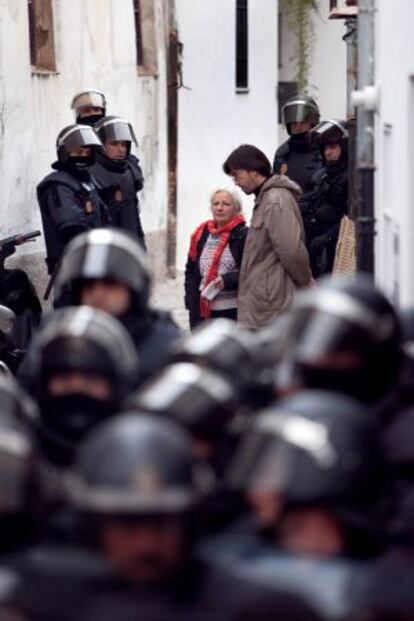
(298,14)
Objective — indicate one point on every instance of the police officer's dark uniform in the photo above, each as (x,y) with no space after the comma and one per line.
(113,254)
(297,157)
(68,200)
(133,470)
(301,448)
(325,202)
(118,181)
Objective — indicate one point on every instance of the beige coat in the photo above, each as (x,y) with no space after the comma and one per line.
(275,260)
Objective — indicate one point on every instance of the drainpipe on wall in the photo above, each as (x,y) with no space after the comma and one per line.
(172,121)
(366,100)
(349,13)
(350,38)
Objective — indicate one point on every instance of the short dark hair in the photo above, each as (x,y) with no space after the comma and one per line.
(247,157)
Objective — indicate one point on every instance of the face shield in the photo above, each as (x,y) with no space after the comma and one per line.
(279,451)
(106,254)
(328,132)
(77,136)
(337,343)
(85,99)
(115,129)
(299,111)
(325,341)
(331,329)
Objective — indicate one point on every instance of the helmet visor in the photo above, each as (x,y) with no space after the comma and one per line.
(328,132)
(103,261)
(258,464)
(78,136)
(115,129)
(326,341)
(298,112)
(88,98)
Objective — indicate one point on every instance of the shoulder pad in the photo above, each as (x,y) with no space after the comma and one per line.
(59,177)
(283,149)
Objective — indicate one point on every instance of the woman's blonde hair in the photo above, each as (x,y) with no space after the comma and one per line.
(234,196)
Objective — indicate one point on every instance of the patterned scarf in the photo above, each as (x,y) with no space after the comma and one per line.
(224,232)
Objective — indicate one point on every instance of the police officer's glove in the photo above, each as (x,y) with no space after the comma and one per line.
(317,245)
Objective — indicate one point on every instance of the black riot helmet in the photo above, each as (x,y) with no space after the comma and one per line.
(330,132)
(85,341)
(111,128)
(298,109)
(73,137)
(221,345)
(200,399)
(106,254)
(315,447)
(136,464)
(89,98)
(343,335)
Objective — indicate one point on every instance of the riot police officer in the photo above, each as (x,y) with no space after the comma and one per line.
(201,400)
(300,448)
(297,157)
(313,461)
(79,368)
(68,200)
(325,202)
(139,489)
(107,269)
(343,335)
(222,346)
(89,106)
(118,174)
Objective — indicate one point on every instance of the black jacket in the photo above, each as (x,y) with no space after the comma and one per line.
(154,335)
(118,183)
(192,277)
(297,159)
(322,209)
(69,204)
(65,583)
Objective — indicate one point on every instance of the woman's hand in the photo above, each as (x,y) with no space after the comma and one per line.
(219,282)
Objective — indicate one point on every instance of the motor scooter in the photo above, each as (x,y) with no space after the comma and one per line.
(18,295)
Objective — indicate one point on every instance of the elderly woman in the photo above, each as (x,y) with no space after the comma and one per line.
(212,270)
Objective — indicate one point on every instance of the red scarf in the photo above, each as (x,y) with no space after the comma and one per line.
(224,232)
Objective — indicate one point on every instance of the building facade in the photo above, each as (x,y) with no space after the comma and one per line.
(394,140)
(51,49)
(227,97)
(327,63)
